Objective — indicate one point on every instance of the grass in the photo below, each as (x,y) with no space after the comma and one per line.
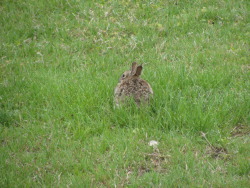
(60,62)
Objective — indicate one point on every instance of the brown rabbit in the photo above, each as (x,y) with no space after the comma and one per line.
(131,85)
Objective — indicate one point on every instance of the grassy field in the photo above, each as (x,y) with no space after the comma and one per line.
(60,62)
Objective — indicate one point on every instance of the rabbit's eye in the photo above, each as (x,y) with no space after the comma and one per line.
(123,75)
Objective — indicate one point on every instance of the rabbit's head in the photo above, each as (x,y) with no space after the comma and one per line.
(134,72)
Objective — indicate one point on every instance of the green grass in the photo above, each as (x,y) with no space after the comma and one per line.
(60,62)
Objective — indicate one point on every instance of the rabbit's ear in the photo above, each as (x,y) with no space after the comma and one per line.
(133,68)
(138,70)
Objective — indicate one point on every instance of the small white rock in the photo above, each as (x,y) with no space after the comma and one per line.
(153,143)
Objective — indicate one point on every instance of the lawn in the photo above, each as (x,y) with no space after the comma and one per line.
(60,62)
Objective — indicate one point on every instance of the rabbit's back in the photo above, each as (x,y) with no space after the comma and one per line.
(139,89)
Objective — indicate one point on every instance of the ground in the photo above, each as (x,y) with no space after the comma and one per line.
(60,62)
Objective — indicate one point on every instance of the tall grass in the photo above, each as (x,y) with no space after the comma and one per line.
(60,61)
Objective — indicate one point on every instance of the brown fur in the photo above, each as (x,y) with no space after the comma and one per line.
(130,85)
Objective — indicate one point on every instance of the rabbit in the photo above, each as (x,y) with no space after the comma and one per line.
(131,85)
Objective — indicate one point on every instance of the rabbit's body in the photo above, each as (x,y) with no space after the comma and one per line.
(131,86)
